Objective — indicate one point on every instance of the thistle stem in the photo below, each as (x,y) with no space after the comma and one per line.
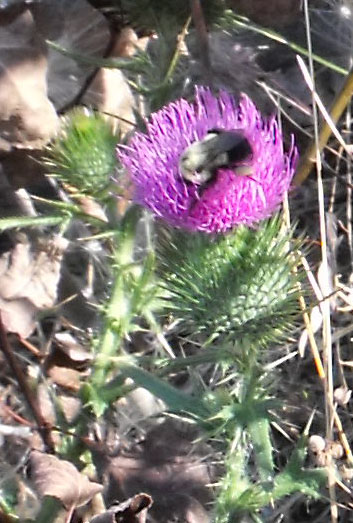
(118,313)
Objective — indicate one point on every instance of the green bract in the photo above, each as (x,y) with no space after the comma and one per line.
(239,287)
(83,155)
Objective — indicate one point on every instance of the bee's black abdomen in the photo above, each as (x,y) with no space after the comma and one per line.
(233,143)
(240,152)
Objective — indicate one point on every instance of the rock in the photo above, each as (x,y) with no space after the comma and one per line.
(84,31)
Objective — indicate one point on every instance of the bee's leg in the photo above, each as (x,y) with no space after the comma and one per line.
(200,192)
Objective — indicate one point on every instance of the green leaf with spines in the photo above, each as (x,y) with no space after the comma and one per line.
(295,478)
(238,496)
(176,400)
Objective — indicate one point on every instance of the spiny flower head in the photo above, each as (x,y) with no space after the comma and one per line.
(83,154)
(229,198)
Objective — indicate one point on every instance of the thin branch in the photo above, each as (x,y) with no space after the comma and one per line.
(43,427)
(202,35)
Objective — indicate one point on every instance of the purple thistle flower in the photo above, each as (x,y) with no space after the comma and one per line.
(230,199)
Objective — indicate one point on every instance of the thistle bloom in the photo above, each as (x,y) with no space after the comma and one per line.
(230,199)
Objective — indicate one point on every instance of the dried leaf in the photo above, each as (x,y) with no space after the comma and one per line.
(110,93)
(27,117)
(136,406)
(67,362)
(67,344)
(70,407)
(60,479)
(45,404)
(92,208)
(126,43)
(342,395)
(67,378)
(29,275)
(134,510)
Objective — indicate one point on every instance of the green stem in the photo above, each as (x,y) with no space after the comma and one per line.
(206,356)
(111,339)
(177,52)
(15,222)
(118,313)
(128,64)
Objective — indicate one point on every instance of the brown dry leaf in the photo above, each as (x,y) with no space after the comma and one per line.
(109,91)
(92,208)
(75,352)
(67,362)
(70,407)
(126,43)
(29,275)
(60,479)
(70,379)
(137,405)
(27,117)
(45,404)
(134,510)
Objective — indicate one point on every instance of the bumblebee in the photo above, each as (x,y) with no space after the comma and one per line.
(199,162)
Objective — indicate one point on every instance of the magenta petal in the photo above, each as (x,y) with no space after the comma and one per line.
(152,159)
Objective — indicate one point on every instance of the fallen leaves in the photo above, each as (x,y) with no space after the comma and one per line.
(29,275)
(60,479)
(27,117)
(68,362)
(134,510)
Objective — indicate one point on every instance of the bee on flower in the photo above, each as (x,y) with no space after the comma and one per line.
(211,164)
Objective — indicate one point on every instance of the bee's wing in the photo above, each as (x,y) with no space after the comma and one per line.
(227,140)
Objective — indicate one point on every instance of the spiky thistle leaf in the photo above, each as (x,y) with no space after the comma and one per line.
(239,287)
(83,155)
(238,496)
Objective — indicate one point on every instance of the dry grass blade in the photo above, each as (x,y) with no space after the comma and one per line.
(338,107)
(325,306)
